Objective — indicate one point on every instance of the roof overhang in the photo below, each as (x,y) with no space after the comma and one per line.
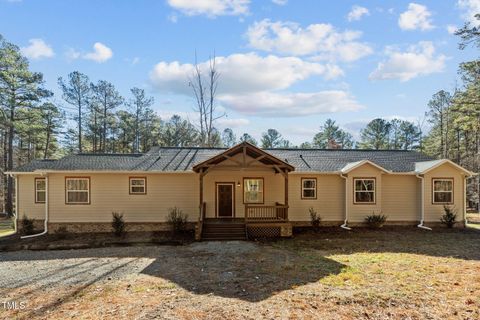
(426,166)
(354,165)
(246,149)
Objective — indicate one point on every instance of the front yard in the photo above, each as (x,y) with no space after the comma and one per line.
(403,273)
(6,226)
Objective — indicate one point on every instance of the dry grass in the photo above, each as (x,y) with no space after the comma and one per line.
(6,227)
(473,220)
(389,274)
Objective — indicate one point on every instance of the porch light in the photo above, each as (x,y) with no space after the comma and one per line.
(238,184)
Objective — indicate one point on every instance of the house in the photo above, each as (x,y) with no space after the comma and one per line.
(244,188)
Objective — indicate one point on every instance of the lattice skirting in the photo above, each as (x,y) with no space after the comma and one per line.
(269,230)
(263,232)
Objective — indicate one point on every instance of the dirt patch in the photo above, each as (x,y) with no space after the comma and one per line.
(389,274)
(225,247)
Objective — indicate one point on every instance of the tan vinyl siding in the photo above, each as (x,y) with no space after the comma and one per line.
(329,204)
(110,192)
(397,196)
(433,212)
(401,197)
(26,198)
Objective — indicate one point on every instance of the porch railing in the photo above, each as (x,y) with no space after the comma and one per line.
(255,213)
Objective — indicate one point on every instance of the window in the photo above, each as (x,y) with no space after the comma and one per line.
(253,190)
(77,190)
(40,190)
(442,191)
(138,185)
(364,191)
(309,188)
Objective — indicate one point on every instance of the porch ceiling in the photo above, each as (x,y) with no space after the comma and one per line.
(247,150)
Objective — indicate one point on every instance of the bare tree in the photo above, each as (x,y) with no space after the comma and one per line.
(205,92)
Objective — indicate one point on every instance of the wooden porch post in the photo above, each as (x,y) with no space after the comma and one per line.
(286,193)
(201,188)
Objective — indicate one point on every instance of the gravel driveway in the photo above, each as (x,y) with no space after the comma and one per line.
(47,269)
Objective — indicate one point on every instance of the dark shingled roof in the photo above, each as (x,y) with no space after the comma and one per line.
(174,159)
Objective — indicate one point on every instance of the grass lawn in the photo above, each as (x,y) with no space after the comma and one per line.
(6,227)
(402,273)
(473,220)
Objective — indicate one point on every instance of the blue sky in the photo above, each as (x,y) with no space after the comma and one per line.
(284,64)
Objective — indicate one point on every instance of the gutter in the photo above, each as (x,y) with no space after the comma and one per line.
(421,225)
(345,223)
(45,227)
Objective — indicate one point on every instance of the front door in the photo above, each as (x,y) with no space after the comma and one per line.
(225,200)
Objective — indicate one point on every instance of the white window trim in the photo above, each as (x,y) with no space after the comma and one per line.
(70,191)
(144,179)
(314,188)
(355,191)
(261,191)
(37,191)
(434,191)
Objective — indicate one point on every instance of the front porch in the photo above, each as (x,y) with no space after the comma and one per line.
(243,188)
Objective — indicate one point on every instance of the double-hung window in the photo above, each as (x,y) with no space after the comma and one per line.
(364,190)
(309,188)
(253,190)
(40,190)
(138,185)
(77,190)
(442,191)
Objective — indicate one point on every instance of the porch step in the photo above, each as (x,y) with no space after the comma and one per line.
(227,231)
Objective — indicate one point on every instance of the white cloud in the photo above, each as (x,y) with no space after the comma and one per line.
(240,73)
(470,8)
(72,54)
(357,13)
(37,49)
(291,104)
(173,18)
(255,85)
(135,60)
(451,28)
(280,2)
(211,8)
(418,60)
(233,122)
(101,53)
(416,17)
(321,40)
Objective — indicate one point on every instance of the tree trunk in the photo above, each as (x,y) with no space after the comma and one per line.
(47,140)
(11,132)
(79,126)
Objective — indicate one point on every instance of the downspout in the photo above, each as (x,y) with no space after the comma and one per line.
(45,227)
(15,223)
(344,225)
(422,210)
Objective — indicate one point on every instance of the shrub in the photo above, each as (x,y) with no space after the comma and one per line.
(375,221)
(118,224)
(61,233)
(449,216)
(178,220)
(314,219)
(27,226)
